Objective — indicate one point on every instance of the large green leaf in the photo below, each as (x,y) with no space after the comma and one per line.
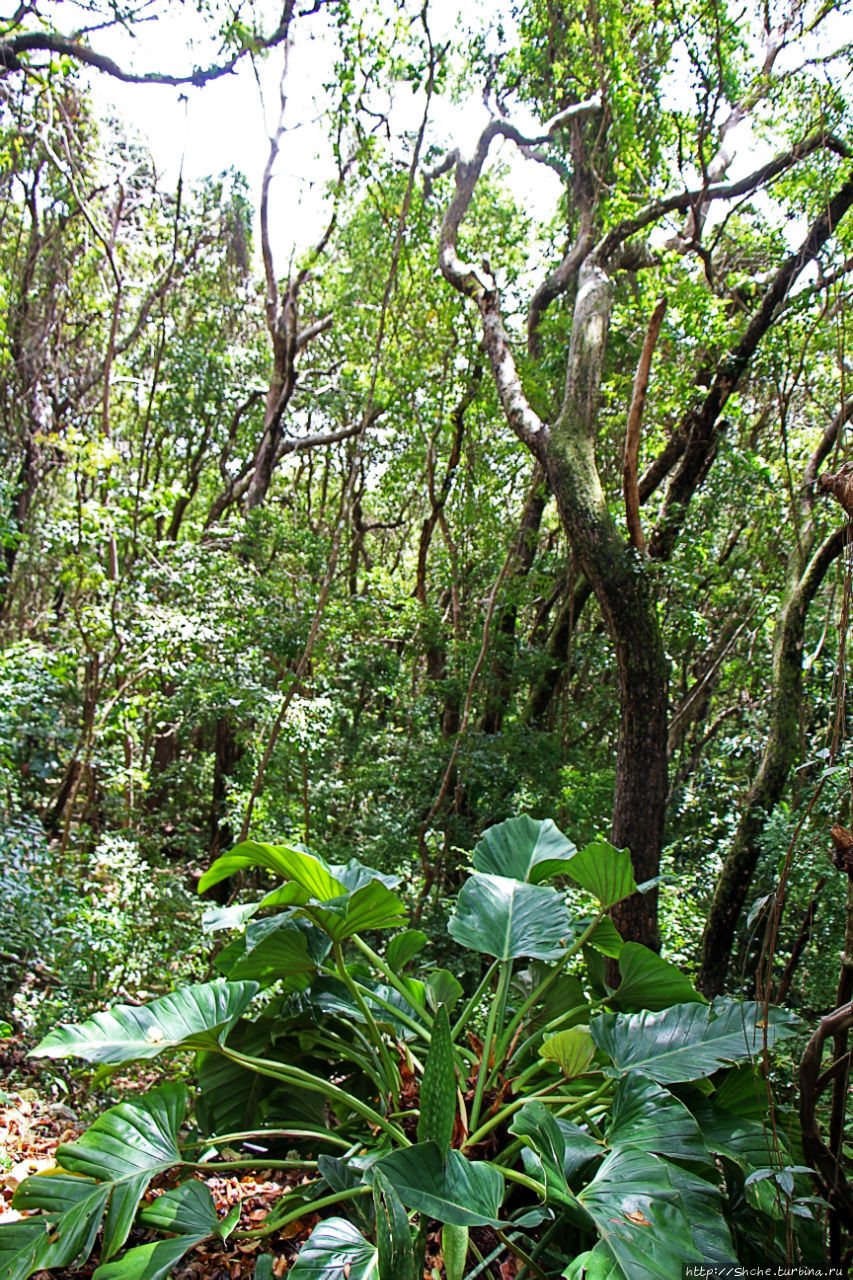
(523,849)
(648,982)
(686,1041)
(747,1142)
(641,1216)
(196,1017)
(334,1250)
(308,873)
(645,1116)
(544,1157)
(75,1206)
(506,918)
(373,906)
(147,1261)
(605,937)
(573,1050)
(108,1167)
(186,1210)
(273,949)
(438,1087)
(23,1248)
(403,947)
(442,988)
(459,1191)
(604,871)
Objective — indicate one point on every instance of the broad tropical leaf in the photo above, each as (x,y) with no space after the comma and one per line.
(147,1261)
(639,1213)
(275,948)
(605,937)
(523,849)
(186,1210)
(373,906)
(108,1168)
(442,988)
(24,1246)
(604,871)
(196,1017)
(333,1250)
(403,948)
(686,1041)
(75,1206)
(506,918)
(306,872)
(648,982)
(459,1191)
(573,1050)
(545,1156)
(649,1118)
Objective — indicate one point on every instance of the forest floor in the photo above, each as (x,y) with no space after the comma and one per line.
(40,1109)
(38,1112)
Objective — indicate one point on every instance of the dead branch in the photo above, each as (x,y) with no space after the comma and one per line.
(630,486)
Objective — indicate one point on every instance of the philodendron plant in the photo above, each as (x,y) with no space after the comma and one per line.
(596,1131)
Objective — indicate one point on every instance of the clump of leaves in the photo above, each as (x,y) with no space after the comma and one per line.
(606,1125)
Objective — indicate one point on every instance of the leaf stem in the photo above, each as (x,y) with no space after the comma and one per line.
(275,1223)
(295,1075)
(496,1007)
(536,995)
(392,1076)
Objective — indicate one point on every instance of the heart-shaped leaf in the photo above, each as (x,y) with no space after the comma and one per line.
(335,1249)
(604,871)
(109,1167)
(686,1041)
(312,876)
(649,1118)
(573,1051)
(523,849)
(640,1215)
(373,906)
(506,918)
(648,982)
(196,1017)
(459,1191)
(275,948)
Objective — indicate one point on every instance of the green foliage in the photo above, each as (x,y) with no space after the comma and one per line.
(579,1119)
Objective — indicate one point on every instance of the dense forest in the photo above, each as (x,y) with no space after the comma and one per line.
(424,601)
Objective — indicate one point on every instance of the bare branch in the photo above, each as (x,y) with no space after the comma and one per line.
(715,191)
(15,47)
(632,436)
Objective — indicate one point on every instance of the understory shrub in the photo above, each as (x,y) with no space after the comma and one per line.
(597,1130)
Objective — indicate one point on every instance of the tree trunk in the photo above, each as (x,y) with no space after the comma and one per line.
(779,756)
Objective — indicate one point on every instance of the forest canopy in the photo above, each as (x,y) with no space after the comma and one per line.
(493,462)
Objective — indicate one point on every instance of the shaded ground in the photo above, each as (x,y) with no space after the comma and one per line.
(39,1110)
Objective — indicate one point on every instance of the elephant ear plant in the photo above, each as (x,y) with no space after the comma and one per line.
(590,1130)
